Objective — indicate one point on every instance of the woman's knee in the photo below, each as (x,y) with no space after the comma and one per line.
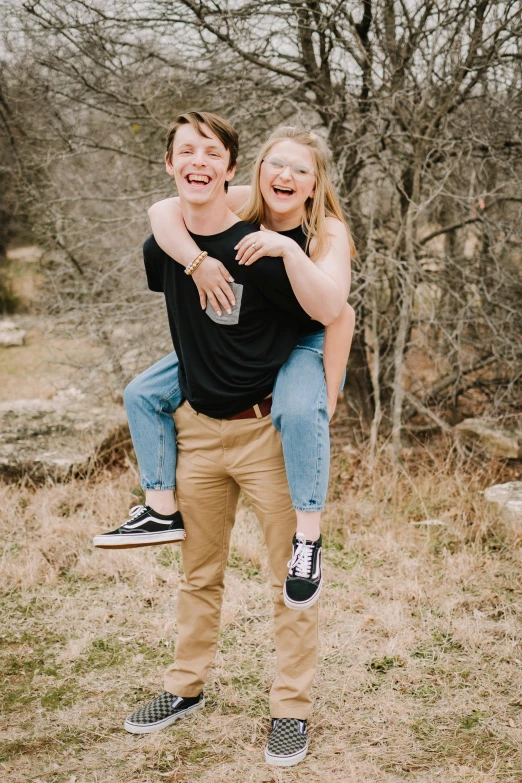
(298,411)
(134,393)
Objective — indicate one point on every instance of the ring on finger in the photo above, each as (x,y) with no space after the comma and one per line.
(253,245)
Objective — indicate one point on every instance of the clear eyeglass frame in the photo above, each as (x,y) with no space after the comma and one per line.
(299,170)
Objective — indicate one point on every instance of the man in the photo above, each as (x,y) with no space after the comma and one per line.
(226,441)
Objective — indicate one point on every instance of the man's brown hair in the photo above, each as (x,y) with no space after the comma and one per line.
(220,127)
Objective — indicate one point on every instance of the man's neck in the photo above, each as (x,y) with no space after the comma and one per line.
(207,219)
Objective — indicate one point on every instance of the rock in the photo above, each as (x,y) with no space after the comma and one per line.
(506,499)
(11,334)
(429,522)
(30,254)
(496,441)
(60,437)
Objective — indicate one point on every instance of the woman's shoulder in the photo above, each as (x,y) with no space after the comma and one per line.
(334,225)
(237,196)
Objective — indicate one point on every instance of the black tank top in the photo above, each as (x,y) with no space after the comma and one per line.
(299,236)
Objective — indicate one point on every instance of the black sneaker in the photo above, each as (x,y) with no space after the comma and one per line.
(144,528)
(161,712)
(305,579)
(288,742)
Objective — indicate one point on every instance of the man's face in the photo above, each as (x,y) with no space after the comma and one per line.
(199,165)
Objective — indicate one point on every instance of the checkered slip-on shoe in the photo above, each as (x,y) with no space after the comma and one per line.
(145,527)
(161,712)
(288,743)
(305,577)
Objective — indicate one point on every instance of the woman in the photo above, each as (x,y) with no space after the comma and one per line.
(293,201)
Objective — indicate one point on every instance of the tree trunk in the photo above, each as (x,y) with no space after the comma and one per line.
(358,388)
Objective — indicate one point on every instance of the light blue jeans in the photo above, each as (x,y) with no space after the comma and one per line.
(299,412)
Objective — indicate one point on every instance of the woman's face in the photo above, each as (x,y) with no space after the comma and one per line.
(287,179)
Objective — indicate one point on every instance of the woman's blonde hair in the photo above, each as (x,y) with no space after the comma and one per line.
(324,203)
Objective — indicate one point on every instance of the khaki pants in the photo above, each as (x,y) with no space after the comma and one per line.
(217,458)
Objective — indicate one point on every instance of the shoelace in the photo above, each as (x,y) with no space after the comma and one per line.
(134,512)
(302,557)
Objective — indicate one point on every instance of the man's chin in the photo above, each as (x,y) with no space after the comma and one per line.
(196,196)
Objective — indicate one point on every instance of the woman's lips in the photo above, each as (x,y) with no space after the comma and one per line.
(282,194)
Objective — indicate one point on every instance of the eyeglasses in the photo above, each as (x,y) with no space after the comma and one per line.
(299,170)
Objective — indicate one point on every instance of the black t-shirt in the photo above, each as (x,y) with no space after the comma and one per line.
(228,363)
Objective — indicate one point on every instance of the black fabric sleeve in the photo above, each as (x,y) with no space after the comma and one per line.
(154,259)
(269,276)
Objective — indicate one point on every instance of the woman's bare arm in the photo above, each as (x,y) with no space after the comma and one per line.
(337,343)
(170,232)
(321,287)
(169,227)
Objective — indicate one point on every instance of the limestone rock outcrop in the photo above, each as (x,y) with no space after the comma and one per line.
(60,437)
(506,500)
(11,334)
(497,441)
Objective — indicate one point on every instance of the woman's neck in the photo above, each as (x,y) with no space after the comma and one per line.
(283,222)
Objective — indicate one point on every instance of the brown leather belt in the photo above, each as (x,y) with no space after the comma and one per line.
(258,411)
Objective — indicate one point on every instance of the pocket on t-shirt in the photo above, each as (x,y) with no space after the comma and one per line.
(225,319)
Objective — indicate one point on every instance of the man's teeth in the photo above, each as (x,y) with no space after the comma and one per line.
(198,178)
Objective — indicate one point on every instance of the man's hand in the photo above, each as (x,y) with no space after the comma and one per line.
(262,243)
(212,280)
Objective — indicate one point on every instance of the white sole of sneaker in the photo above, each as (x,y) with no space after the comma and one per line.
(286,761)
(136,728)
(299,606)
(145,539)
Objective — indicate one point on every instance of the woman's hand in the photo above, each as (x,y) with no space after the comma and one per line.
(262,243)
(212,280)
(331,405)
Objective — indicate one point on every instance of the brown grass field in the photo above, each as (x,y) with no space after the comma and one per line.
(420,653)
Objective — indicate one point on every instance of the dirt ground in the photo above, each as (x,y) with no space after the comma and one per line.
(420,637)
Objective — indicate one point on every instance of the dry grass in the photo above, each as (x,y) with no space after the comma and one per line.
(420,639)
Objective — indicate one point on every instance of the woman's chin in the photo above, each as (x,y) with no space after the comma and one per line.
(283,207)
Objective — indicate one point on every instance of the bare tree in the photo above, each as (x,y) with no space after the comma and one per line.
(420,105)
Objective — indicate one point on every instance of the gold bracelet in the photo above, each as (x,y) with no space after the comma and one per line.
(197,261)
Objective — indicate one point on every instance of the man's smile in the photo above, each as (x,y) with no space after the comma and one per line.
(198,180)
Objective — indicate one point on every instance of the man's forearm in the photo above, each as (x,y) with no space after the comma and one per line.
(337,344)
(171,233)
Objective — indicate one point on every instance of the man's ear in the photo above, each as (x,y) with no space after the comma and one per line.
(231,173)
(169,168)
